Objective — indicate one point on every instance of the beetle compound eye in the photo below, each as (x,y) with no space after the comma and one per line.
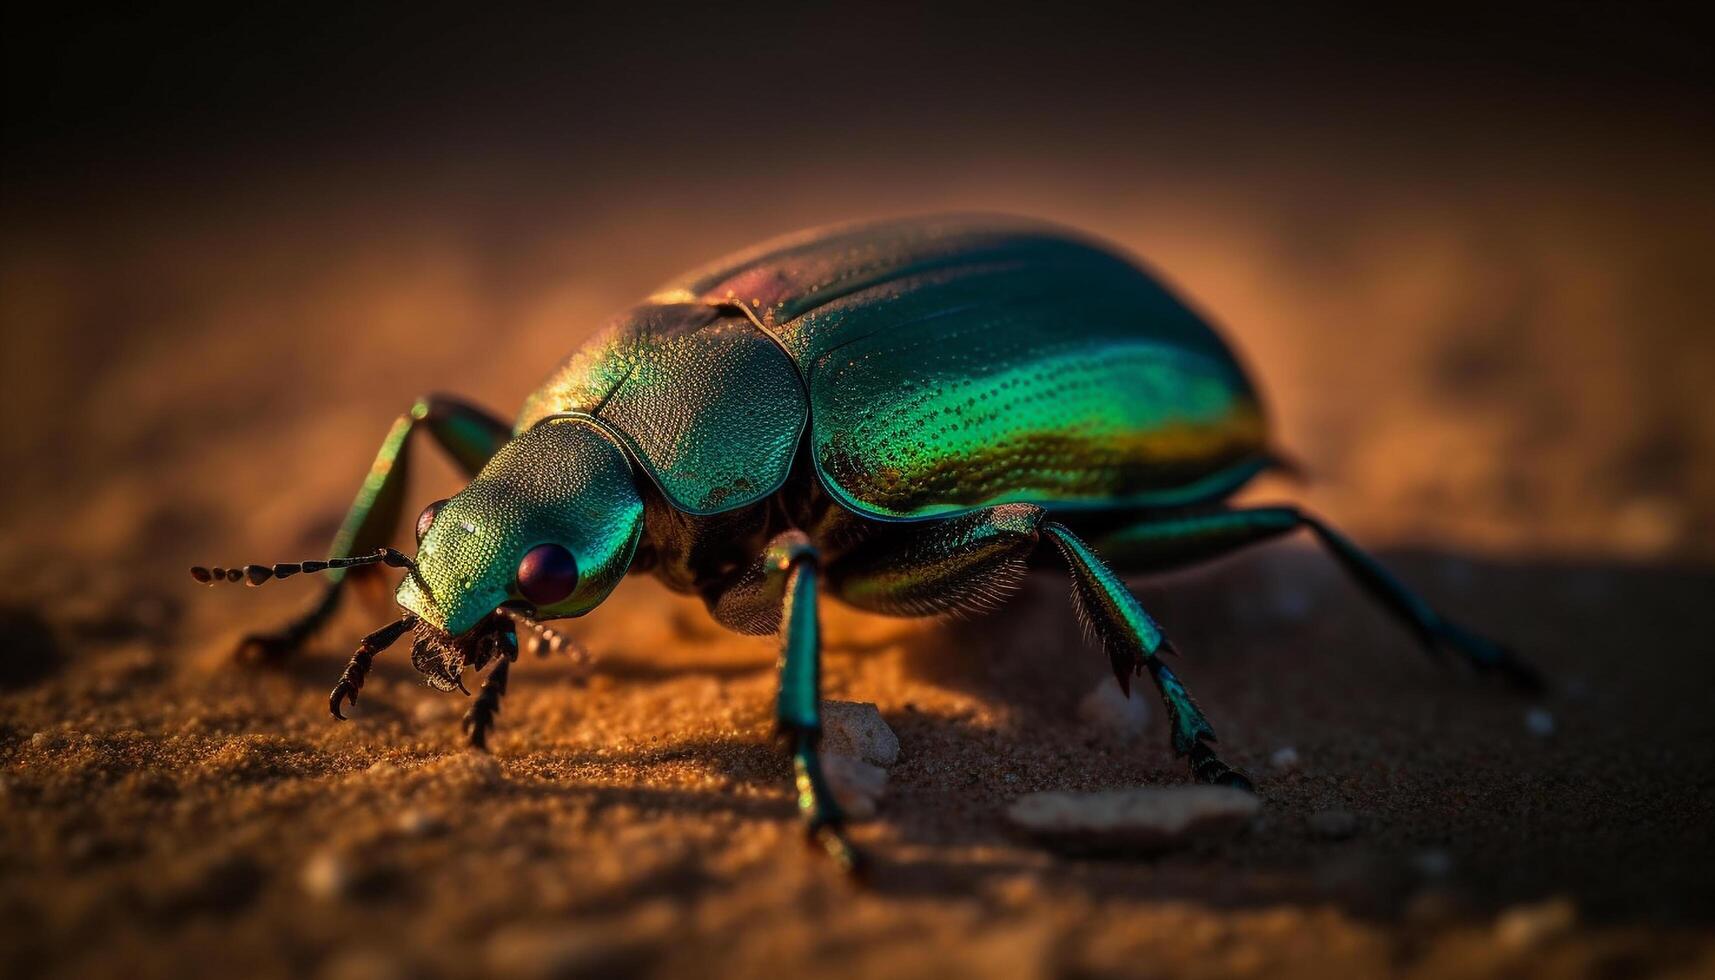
(426,518)
(547,574)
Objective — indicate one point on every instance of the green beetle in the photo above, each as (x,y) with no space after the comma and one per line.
(900,415)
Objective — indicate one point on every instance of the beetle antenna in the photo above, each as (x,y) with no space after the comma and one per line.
(254,575)
(546,639)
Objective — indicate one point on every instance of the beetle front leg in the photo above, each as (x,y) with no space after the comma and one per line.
(469,436)
(479,720)
(357,670)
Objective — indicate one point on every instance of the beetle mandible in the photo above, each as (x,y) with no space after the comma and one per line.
(904,416)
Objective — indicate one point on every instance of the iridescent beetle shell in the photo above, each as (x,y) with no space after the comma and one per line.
(937,367)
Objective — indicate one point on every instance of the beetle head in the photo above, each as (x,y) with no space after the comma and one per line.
(557,506)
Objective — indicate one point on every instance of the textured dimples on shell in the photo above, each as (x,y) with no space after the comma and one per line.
(937,366)
(905,416)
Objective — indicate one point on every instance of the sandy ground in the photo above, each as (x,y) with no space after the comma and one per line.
(1502,386)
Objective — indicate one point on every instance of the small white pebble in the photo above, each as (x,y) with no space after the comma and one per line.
(857,729)
(1539,722)
(41,740)
(857,786)
(1284,758)
(1142,819)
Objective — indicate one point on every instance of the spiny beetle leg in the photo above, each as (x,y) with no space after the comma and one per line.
(1133,640)
(543,640)
(1163,543)
(1429,625)
(1488,655)
(1207,767)
(961,565)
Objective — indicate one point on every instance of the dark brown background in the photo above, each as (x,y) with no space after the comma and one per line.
(1468,255)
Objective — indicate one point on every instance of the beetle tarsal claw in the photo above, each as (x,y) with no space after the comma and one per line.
(351,681)
(340,693)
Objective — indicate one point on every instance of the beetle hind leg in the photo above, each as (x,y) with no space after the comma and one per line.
(1434,630)
(1133,643)
(1173,542)
(968,563)
(1207,767)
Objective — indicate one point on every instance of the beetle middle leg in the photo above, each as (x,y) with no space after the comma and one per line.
(469,436)
(969,563)
(780,589)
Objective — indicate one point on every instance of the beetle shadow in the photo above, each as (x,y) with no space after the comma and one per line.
(1457,783)
(1452,791)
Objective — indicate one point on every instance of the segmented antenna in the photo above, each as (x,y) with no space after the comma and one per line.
(545,640)
(254,575)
